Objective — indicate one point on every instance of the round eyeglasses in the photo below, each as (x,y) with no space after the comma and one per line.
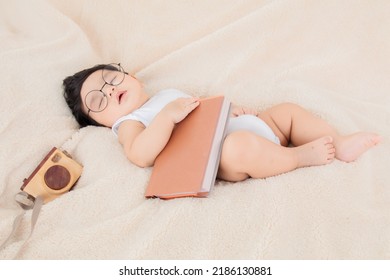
(113,75)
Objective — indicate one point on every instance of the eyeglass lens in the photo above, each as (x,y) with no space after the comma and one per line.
(96,100)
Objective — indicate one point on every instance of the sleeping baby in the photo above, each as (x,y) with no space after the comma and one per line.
(258,144)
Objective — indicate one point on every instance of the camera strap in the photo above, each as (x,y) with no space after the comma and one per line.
(26,203)
(55,175)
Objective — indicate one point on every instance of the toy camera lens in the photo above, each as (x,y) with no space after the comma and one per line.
(57,177)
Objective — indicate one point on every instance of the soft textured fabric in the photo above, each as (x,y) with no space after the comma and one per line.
(331,57)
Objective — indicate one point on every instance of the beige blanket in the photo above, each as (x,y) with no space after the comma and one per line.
(332,57)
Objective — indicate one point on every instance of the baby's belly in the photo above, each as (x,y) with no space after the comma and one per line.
(253,124)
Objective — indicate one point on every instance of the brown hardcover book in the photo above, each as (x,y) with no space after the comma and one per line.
(188,164)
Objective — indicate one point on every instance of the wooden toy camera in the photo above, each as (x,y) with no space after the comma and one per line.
(56,174)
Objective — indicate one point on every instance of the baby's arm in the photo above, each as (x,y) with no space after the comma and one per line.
(142,145)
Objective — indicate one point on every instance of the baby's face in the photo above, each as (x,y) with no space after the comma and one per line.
(122,99)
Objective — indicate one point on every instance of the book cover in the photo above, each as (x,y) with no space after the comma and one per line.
(188,164)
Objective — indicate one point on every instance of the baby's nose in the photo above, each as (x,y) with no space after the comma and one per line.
(111,90)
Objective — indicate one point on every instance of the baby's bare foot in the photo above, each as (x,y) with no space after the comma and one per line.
(317,152)
(350,147)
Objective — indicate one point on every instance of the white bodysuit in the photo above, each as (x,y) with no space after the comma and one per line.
(146,113)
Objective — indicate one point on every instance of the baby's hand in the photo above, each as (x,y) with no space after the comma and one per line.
(238,111)
(178,109)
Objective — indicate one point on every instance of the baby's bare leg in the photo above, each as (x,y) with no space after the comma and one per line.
(245,154)
(295,125)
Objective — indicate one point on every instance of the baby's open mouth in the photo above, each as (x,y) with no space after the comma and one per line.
(120,95)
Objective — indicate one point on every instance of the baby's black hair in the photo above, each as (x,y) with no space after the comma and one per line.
(72,88)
